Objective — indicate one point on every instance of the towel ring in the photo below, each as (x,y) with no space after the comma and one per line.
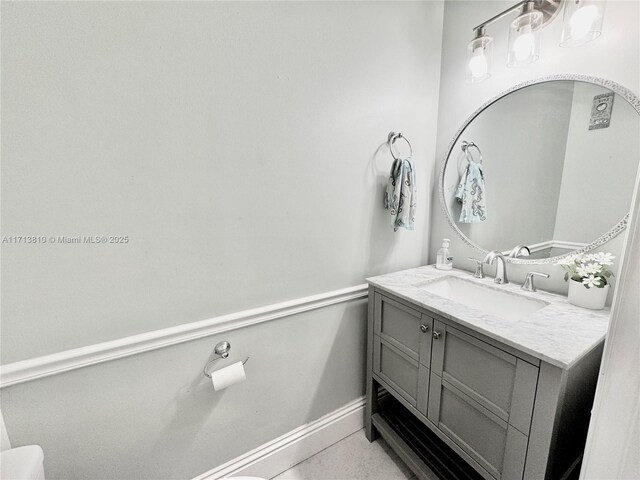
(222,350)
(465,148)
(392,139)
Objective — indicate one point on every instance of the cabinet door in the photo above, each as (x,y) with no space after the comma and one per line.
(402,350)
(404,328)
(402,375)
(494,444)
(502,383)
(482,398)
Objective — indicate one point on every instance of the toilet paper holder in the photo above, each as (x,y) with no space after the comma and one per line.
(222,351)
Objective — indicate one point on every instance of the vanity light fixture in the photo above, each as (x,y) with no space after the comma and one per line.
(582,21)
(524,40)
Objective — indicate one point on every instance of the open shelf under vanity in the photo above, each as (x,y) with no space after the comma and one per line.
(416,444)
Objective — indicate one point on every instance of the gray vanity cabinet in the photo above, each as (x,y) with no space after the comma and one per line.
(481,397)
(402,350)
(507,414)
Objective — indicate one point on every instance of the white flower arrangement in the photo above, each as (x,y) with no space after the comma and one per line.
(590,270)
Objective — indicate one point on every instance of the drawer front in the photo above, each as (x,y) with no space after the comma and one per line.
(404,328)
(497,446)
(500,382)
(403,374)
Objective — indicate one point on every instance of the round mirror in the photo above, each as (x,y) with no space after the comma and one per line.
(550,164)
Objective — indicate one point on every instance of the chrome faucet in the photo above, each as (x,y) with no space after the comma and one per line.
(520,250)
(479,273)
(528,282)
(501,267)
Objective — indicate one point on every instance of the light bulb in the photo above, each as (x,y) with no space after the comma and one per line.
(524,46)
(478,63)
(582,20)
(479,49)
(524,38)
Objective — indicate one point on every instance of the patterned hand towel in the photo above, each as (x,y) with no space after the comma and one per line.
(470,193)
(400,196)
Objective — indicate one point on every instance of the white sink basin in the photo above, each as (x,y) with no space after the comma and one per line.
(506,305)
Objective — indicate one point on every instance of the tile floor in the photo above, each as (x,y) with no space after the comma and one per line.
(352,458)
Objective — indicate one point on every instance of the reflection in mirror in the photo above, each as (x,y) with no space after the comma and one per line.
(559,162)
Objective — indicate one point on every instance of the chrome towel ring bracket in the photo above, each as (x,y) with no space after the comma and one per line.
(391,139)
(222,350)
(465,148)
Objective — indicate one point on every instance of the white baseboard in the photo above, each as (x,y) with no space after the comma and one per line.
(276,456)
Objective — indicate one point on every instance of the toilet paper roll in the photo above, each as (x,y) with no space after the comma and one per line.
(228,376)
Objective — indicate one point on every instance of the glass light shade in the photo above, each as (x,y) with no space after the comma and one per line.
(524,39)
(479,53)
(582,21)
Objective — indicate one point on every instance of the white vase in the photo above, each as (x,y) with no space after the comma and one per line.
(593,298)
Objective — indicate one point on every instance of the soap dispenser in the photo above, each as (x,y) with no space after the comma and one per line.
(444,260)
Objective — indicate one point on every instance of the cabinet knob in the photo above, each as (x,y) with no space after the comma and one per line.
(436,335)
(424,328)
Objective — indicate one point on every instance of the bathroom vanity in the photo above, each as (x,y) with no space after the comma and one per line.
(503,378)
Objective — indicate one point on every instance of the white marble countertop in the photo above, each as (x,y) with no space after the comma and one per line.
(559,333)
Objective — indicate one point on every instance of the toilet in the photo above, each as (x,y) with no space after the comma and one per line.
(22,463)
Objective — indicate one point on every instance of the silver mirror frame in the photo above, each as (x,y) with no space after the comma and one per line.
(616,230)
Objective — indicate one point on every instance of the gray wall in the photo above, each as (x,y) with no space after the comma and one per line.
(237,145)
(232,142)
(155,415)
(598,170)
(604,58)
